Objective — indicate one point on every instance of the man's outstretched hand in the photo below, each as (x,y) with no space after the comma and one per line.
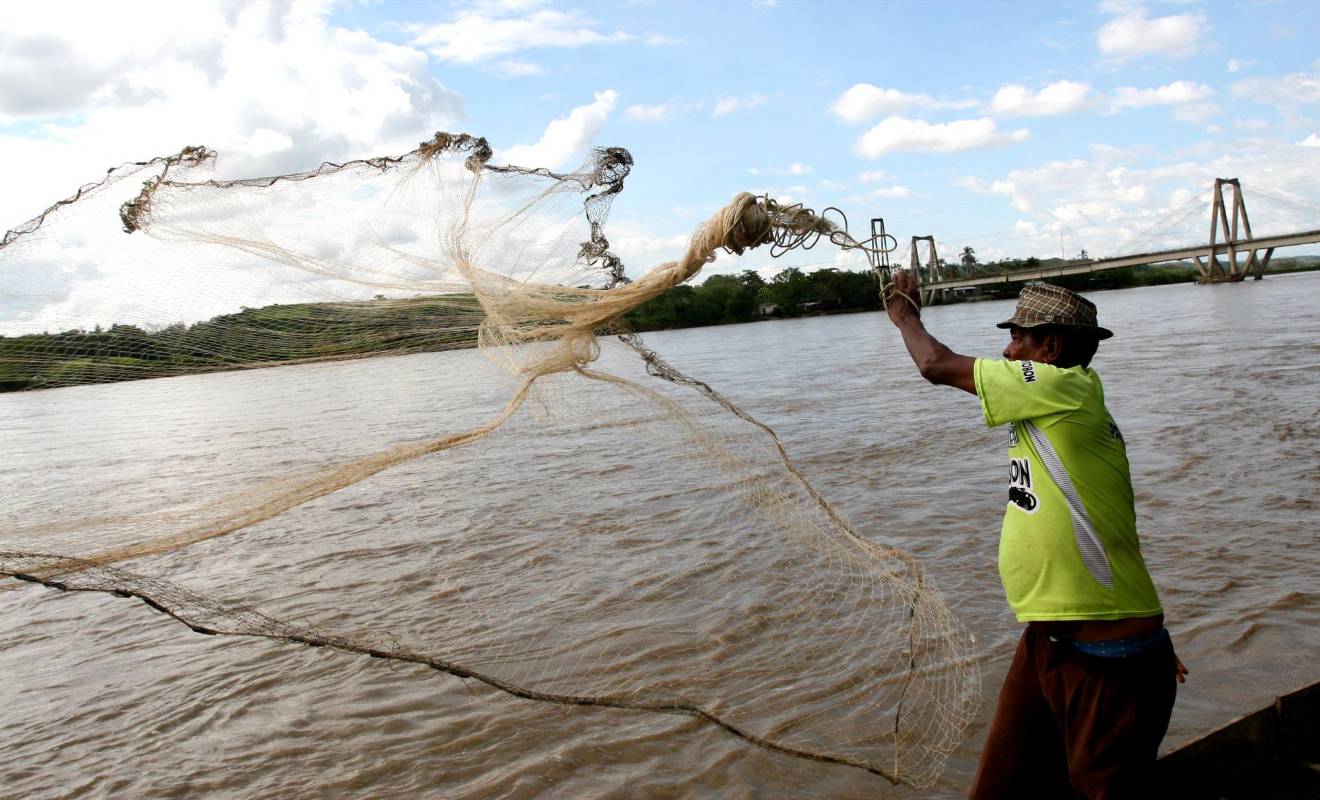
(904,298)
(938,364)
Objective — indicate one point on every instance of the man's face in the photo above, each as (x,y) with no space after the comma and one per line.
(1024,345)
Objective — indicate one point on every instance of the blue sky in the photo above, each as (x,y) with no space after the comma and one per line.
(1016,128)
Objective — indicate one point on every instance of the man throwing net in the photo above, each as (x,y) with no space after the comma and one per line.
(1089,693)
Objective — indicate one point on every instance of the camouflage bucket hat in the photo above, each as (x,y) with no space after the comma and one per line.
(1044,304)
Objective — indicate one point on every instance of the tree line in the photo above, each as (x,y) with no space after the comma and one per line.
(747,296)
(792,293)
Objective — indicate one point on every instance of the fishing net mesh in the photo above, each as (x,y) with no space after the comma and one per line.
(556,511)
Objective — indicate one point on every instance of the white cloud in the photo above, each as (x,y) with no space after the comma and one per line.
(274,88)
(514,68)
(890,191)
(489,31)
(1289,91)
(641,249)
(1252,124)
(797,193)
(1109,153)
(895,134)
(1125,187)
(830,185)
(660,40)
(1311,141)
(1113,209)
(1197,113)
(656,113)
(264,141)
(863,101)
(1172,94)
(1180,196)
(1239,64)
(796,168)
(981,186)
(1113,7)
(846,261)
(1060,97)
(1133,34)
(662,112)
(565,138)
(730,104)
(1008,189)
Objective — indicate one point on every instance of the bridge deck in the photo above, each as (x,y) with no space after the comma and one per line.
(1159,256)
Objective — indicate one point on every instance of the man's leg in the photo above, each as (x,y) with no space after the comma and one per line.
(1115,712)
(1023,755)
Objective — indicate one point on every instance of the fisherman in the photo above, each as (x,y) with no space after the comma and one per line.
(1088,696)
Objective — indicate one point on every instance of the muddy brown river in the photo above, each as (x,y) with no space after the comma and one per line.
(1216,388)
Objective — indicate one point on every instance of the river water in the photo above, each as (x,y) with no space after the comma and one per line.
(1216,388)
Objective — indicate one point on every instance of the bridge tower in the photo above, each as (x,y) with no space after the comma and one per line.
(927,273)
(1209,269)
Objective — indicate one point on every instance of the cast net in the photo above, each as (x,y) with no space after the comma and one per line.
(455,454)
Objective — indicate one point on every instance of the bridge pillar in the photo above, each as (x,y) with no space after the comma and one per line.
(1210,270)
(929,273)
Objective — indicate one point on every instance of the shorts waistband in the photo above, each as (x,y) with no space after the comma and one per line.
(1119,648)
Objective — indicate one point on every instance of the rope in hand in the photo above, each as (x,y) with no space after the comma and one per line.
(891,291)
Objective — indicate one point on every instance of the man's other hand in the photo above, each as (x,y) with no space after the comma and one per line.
(904,299)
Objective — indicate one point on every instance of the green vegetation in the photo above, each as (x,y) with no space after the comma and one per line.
(746,296)
(1294,264)
(254,336)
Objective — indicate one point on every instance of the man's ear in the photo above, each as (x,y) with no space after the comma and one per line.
(1052,348)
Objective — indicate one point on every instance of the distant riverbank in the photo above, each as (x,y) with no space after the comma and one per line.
(307,332)
(253,337)
(746,297)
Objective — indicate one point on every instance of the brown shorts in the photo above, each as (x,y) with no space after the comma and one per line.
(1071,725)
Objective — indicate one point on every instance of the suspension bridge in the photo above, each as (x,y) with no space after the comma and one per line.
(1231,253)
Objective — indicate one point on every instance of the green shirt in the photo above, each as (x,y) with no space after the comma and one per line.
(1068,549)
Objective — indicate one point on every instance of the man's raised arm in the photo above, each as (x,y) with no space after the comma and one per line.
(938,364)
